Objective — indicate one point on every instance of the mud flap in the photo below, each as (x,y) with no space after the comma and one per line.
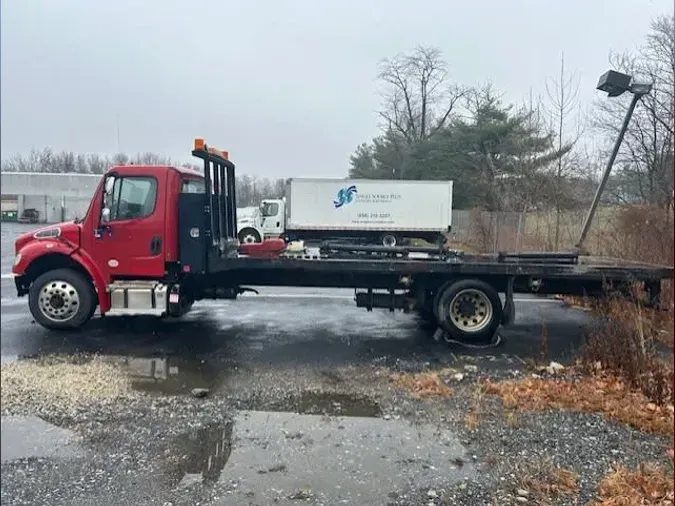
(509,313)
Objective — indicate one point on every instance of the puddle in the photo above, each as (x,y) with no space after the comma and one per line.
(200,455)
(25,437)
(329,404)
(167,375)
(283,458)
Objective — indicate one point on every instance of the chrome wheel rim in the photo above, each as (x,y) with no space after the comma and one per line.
(249,238)
(58,301)
(471,310)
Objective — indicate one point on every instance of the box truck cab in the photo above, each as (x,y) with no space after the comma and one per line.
(273,217)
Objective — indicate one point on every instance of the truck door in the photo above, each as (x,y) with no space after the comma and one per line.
(273,215)
(130,240)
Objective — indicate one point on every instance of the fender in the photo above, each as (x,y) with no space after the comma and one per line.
(39,249)
(85,260)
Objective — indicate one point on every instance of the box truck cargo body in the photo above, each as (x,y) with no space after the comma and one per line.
(381,211)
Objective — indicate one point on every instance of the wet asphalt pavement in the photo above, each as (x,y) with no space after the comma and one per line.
(289,414)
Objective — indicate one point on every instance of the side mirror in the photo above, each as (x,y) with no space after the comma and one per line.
(105,215)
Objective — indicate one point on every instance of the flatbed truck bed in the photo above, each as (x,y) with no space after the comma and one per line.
(588,268)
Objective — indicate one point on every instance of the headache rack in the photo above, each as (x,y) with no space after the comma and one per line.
(207,222)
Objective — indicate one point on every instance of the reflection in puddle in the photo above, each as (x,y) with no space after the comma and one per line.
(167,375)
(199,455)
(330,404)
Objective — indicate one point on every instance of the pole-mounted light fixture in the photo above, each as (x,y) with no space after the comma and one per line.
(614,84)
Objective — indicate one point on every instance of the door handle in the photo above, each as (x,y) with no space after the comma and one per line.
(155,245)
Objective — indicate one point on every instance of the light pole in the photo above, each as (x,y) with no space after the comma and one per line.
(614,84)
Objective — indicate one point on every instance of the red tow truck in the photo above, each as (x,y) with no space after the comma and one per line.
(156,239)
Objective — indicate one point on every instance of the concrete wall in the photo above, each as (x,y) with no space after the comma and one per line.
(56,197)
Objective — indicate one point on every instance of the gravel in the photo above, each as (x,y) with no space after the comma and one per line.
(60,383)
(137,443)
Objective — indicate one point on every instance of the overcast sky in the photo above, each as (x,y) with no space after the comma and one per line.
(288,87)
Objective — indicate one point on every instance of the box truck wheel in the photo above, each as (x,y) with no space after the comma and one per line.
(469,310)
(389,240)
(249,235)
(61,299)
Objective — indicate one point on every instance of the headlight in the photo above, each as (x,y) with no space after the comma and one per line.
(47,233)
(17,259)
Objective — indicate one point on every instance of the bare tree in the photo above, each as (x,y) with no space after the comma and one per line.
(418,99)
(563,95)
(645,162)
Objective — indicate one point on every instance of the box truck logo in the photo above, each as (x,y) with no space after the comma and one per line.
(345,196)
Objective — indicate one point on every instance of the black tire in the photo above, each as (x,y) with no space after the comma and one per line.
(390,240)
(469,296)
(248,232)
(71,301)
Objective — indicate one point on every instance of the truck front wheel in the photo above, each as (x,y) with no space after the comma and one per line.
(469,310)
(249,235)
(61,299)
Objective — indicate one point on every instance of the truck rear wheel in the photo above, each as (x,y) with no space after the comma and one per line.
(61,299)
(469,310)
(248,236)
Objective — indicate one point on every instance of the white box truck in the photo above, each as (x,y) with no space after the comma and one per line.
(369,210)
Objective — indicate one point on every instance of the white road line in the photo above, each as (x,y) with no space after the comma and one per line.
(6,301)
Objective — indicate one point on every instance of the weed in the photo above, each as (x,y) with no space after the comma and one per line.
(624,344)
(472,418)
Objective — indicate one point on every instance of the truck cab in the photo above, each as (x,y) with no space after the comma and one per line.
(125,252)
(249,225)
(273,213)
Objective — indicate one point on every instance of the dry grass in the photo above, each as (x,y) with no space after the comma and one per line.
(60,383)
(653,324)
(648,485)
(534,231)
(545,482)
(424,384)
(625,344)
(607,396)
(642,233)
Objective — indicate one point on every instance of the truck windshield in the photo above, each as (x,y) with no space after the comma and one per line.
(270,209)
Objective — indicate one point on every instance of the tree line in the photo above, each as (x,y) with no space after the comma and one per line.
(250,189)
(528,156)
